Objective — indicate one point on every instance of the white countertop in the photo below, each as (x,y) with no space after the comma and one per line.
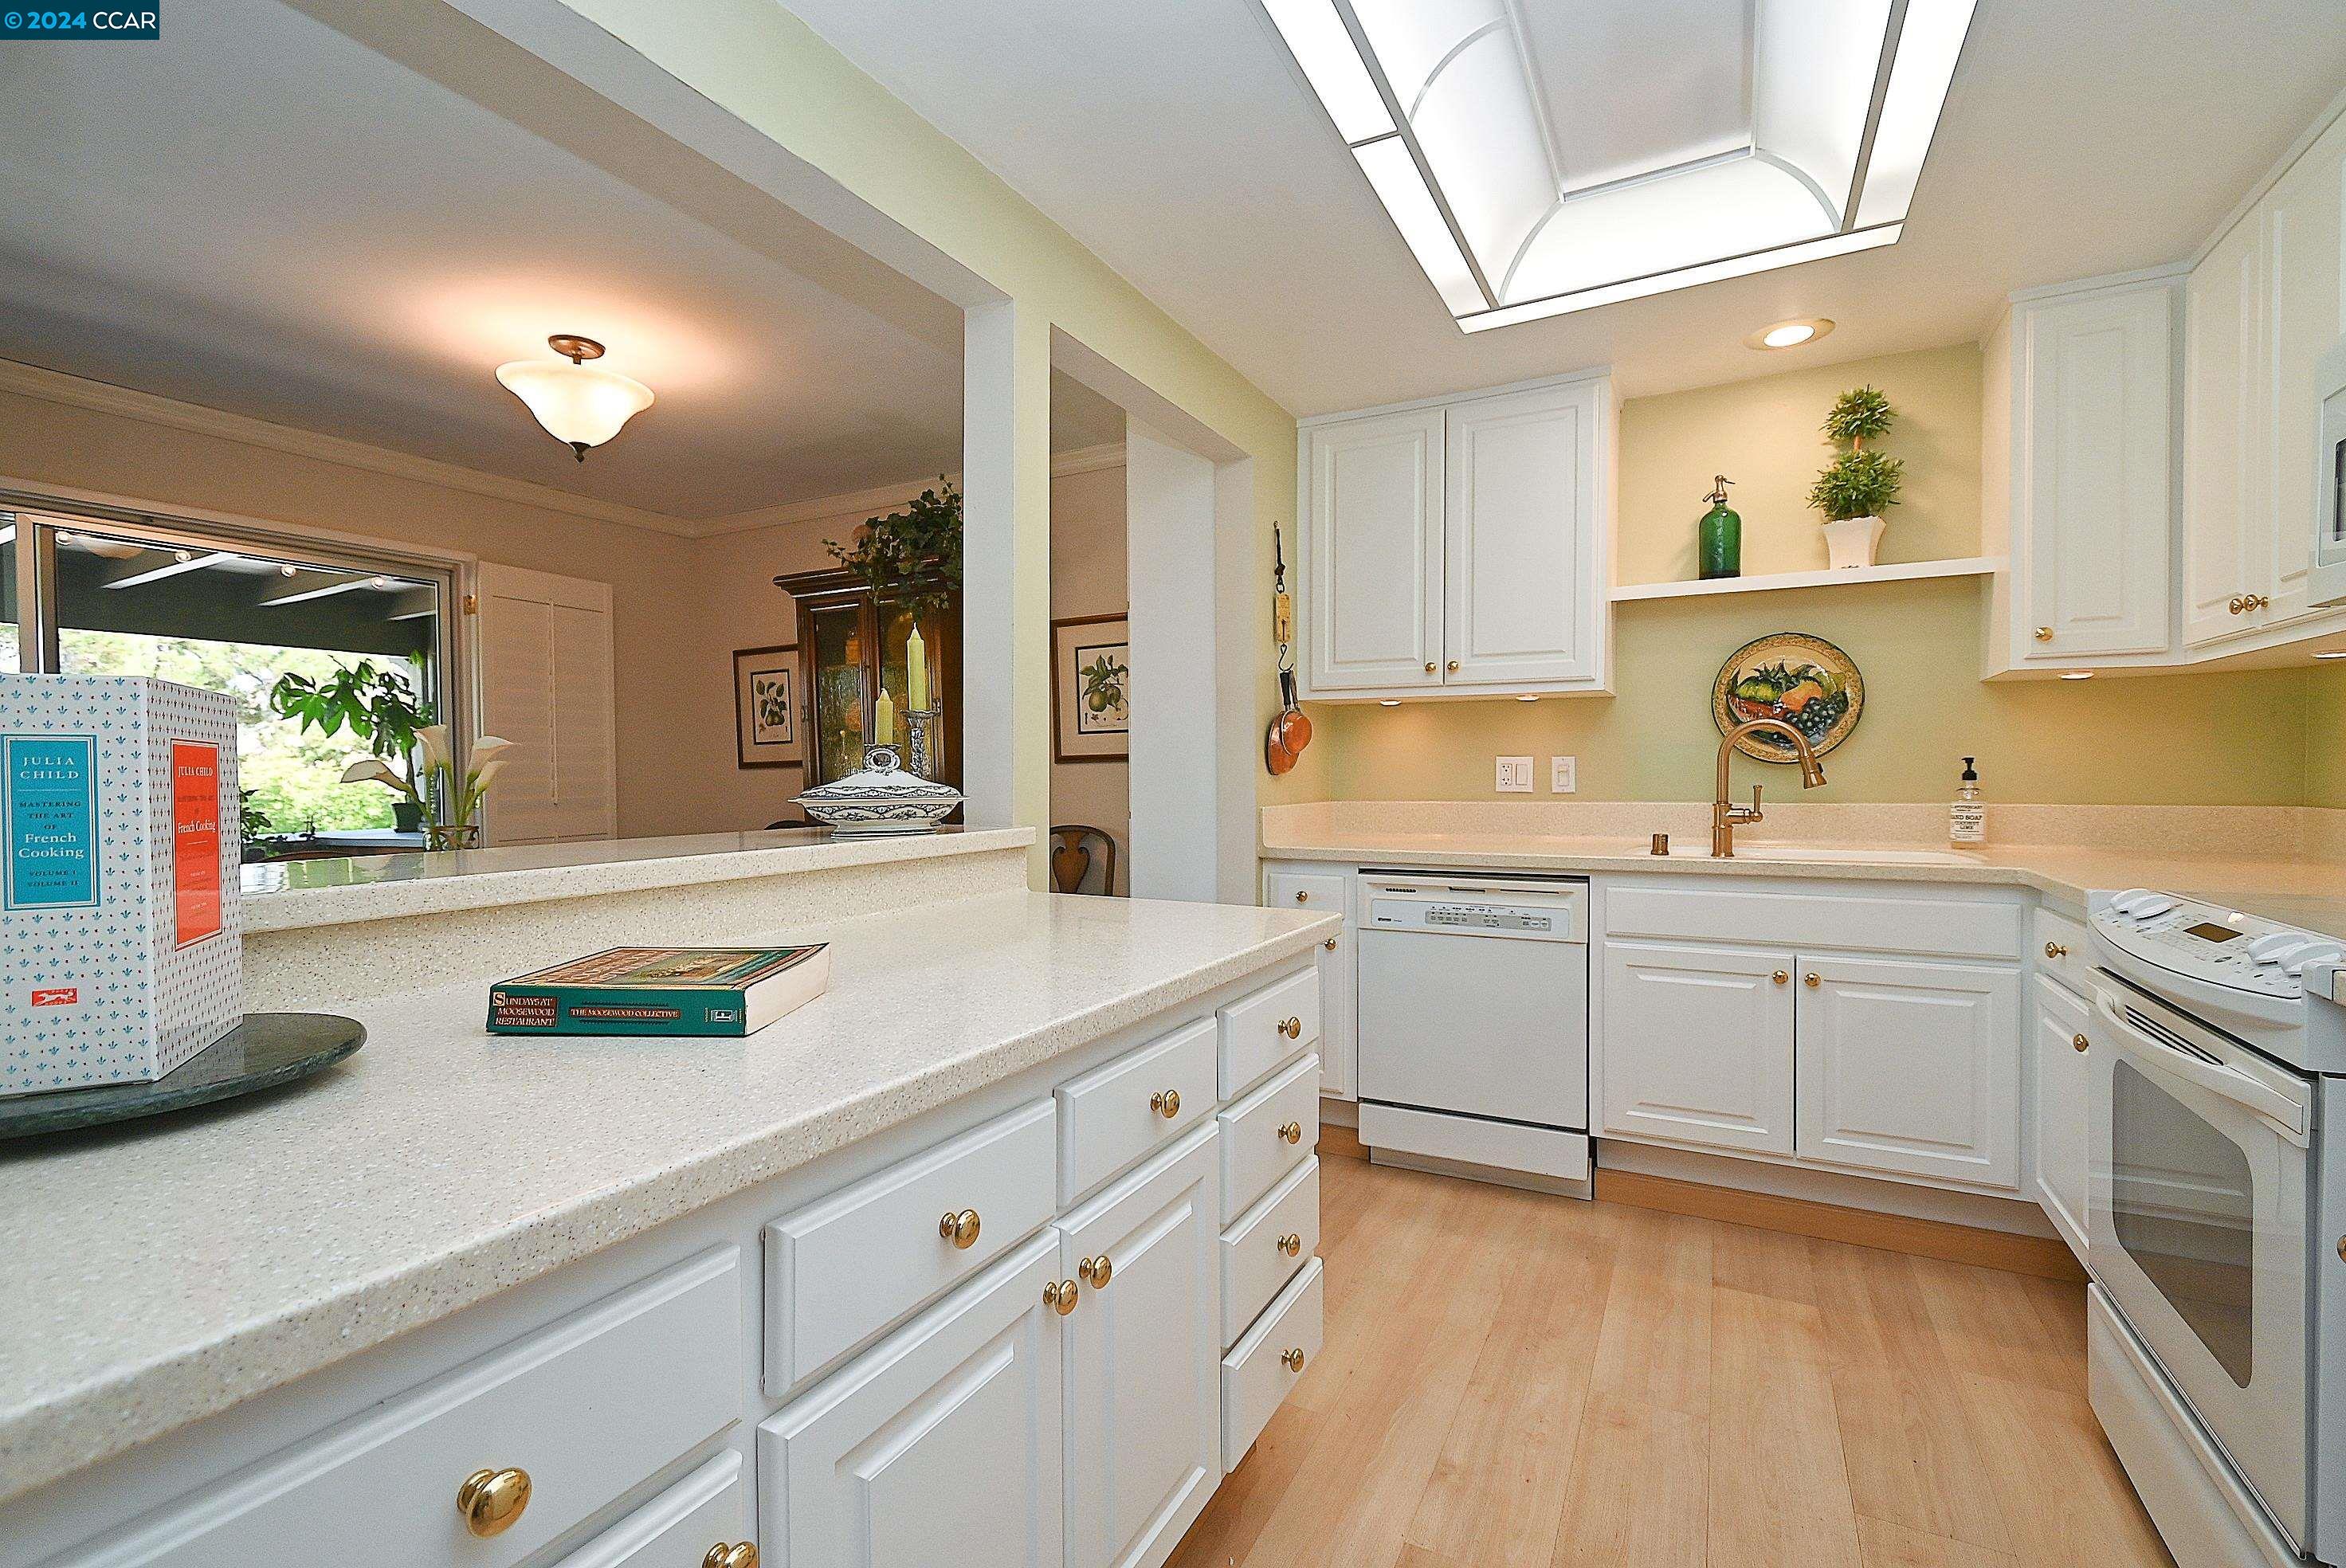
(159,1273)
(286,895)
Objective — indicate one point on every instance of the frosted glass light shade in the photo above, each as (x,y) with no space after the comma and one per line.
(579,405)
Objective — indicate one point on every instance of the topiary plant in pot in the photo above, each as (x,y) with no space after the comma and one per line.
(1858,487)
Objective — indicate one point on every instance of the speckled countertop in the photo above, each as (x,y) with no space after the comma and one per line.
(441,1166)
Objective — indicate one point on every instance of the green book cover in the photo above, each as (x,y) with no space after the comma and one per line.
(722,991)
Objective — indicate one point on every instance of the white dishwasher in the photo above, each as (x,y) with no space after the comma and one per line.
(1473,1025)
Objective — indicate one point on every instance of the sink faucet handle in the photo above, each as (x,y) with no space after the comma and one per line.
(1755,798)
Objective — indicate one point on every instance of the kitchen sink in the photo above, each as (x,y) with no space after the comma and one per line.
(1855,854)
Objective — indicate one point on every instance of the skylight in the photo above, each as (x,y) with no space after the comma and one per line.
(1544,158)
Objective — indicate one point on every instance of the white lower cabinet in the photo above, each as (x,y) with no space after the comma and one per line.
(940,1445)
(1262,1368)
(1912,1068)
(2061,1040)
(683,1527)
(1142,1449)
(1698,1046)
(1327,889)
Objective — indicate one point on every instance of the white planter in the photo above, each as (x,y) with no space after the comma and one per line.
(1851,542)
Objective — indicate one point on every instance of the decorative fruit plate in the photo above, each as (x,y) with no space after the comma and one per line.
(1805,681)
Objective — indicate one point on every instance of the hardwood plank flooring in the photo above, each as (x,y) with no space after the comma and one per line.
(1510,1380)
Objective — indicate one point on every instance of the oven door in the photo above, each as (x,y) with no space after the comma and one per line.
(2197,1228)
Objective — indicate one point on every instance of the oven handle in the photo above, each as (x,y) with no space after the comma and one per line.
(2282,1114)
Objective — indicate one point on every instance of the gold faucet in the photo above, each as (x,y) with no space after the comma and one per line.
(1725,816)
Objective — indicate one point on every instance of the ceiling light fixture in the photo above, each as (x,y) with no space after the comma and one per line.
(2332,653)
(581,405)
(181,561)
(1789,334)
(1528,696)
(2077,675)
(1517,207)
(1388,702)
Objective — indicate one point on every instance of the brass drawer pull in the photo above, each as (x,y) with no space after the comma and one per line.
(740,1555)
(1059,1296)
(1812,980)
(961,1229)
(1291,1027)
(1292,1357)
(1166,1102)
(1302,895)
(1429,667)
(1290,1132)
(1095,1272)
(1780,976)
(2045,633)
(491,1501)
(1329,944)
(2055,950)
(2079,1040)
(1452,665)
(1290,1244)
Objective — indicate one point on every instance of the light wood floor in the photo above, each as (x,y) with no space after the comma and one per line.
(1509,1379)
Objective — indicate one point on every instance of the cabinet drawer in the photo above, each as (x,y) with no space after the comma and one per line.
(839,1271)
(2062,951)
(706,1509)
(1275,1025)
(1254,1264)
(1300,890)
(1263,1366)
(1951,928)
(1114,1115)
(1256,1149)
(589,1407)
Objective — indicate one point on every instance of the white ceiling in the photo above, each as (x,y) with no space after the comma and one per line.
(1179,142)
(261,215)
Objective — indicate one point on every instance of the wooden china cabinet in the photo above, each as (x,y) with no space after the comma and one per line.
(851,644)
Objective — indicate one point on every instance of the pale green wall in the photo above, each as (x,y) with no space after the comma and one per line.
(2325,736)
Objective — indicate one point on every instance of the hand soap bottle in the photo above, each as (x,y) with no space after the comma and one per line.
(1967,817)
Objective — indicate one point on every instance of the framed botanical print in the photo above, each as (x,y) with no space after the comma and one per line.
(1091,676)
(766,707)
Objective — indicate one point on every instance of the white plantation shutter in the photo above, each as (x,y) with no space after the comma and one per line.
(545,684)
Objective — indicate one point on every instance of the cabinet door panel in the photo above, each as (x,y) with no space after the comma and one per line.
(1374,616)
(1698,1046)
(2094,472)
(1339,1028)
(2061,1081)
(1143,1359)
(2302,321)
(2226,491)
(1523,600)
(1911,1068)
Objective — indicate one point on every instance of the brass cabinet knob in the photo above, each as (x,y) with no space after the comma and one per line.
(2258,601)
(2079,1040)
(1780,976)
(1329,944)
(1812,980)
(2045,633)
(1290,1244)
(1452,665)
(1292,1357)
(961,1229)
(2055,950)
(2238,604)
(738,1554)
(490,1500)
(1166,1102)
(1429,667)
(1290,1132)
(1302,895)
(1059,1296)
(1291,1027)
(1095,1272)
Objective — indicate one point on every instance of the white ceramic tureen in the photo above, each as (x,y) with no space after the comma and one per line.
(882,799)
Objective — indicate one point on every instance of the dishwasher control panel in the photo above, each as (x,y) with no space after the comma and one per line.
(1555,912)
(1485,917)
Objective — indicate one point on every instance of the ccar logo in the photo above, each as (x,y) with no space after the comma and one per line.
(57,996)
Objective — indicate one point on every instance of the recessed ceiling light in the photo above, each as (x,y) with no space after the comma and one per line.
(1789,334)
(1527,697)
(2332,653)
(1388,702)
(2077,675)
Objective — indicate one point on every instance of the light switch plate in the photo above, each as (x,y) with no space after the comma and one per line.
(1514,775)
(1564,777)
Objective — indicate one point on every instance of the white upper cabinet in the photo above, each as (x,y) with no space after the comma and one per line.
(2227,488)
(2091,497)
(1376,553)
(1461,548)
(2301,231)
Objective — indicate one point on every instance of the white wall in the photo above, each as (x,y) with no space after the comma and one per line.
(1087,578)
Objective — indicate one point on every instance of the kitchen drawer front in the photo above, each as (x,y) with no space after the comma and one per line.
(1262,1369)
(1275,1025)
(706,1509)
(1952,927)
(1255,1266)
(1303,891)
(1256,1150)
(589,1407)
(2063,952)
(1113,1116)
(839,1271)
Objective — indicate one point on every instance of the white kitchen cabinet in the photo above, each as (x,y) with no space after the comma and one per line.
(1374,583)
(681,1527)
(1696,1045)
(1460,548)
(2227,489)
(1327,891)
(2061,1040)
(1911,1069)
(1524,549)
(1143,1358)
(2299,219)
(941,1445)
(2091,497)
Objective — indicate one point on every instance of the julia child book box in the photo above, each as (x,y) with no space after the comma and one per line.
(717,990)
(121,951)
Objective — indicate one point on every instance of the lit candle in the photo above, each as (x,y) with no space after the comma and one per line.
(916,671)
(884,719)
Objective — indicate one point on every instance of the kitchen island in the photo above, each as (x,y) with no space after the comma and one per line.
(279,1325)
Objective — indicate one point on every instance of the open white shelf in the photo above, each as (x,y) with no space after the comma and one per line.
(1903,572)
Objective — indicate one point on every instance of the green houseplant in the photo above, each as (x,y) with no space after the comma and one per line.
(375,705)
(1858,487)
(913,556)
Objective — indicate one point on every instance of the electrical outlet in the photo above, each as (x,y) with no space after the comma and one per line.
(1564,777)
(1514,775)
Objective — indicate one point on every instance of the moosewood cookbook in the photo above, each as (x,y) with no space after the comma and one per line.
(662,991)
